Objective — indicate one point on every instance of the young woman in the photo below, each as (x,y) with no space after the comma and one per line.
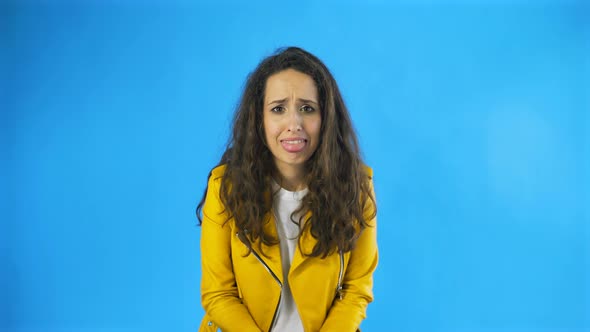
(288,240)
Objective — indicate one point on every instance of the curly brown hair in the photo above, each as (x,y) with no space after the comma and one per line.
(340,196)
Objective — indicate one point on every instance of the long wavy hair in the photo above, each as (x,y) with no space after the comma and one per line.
(339,196)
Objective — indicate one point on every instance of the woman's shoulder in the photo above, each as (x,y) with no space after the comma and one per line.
(213,208)
(218,171)
(368,171)
(215,177)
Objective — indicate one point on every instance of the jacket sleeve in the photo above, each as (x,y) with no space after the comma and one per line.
(346,314)
(219,292)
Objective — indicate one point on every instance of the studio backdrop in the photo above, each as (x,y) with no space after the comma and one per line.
(474,116)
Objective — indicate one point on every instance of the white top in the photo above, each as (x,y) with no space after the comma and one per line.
(284,203)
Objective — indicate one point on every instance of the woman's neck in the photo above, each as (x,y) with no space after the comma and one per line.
(291,179)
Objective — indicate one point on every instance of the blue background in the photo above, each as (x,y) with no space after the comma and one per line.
(474,115)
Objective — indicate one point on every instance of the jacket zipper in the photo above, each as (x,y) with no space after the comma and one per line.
(274,317)
(339,287)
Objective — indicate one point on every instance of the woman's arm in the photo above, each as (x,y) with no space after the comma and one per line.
(219,292)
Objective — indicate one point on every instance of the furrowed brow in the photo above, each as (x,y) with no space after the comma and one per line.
(278,101)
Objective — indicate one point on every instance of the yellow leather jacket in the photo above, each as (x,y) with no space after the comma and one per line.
(241,293)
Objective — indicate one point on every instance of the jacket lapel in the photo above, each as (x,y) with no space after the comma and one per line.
(307,244)
(272,254)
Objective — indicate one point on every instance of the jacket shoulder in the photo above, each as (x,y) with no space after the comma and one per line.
(369,171)
(213,208)
(218,171)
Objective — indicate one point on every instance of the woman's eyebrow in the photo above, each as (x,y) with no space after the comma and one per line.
(303,100)
(309,101)
(278,101)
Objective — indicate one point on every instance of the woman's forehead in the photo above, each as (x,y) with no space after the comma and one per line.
(289,84)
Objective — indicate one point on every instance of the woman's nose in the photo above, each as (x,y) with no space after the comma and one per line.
(295,121)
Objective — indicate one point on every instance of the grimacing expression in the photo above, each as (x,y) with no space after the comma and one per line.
(291,118)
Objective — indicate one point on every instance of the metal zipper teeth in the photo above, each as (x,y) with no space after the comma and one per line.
(267,268)
(339,287)
(274,317)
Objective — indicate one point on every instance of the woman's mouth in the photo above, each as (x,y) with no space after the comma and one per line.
(294,145)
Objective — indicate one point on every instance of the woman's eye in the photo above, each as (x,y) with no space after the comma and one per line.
(307,108)
(277,109)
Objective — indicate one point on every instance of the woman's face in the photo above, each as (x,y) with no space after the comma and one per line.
(292,119)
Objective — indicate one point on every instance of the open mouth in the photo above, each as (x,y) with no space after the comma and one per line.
(294,145)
